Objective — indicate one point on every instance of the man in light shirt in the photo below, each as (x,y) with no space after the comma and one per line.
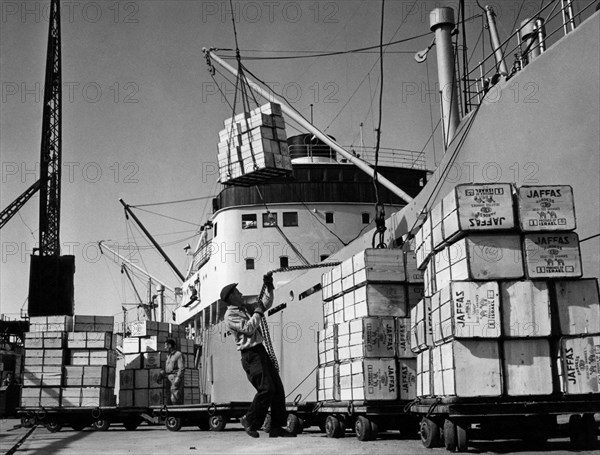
(244,322)
(174,369)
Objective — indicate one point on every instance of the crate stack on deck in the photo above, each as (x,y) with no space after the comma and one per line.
(364,348)
(505,312)
(141,383)
(253,146)
(69,361)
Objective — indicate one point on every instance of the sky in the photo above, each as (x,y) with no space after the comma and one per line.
(141,114)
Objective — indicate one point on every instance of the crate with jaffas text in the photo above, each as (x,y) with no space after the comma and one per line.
(552,255)
(366,337)
(546,208)
(407,379)
(578,303)
(579,364)
(403,339)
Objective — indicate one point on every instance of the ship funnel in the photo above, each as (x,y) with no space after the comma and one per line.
(441,22)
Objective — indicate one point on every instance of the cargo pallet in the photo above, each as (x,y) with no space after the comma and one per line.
(98,417)
(451,422)
(207,416)
(367,418)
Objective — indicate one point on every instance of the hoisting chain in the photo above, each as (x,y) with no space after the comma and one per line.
(264,327)
(380,227)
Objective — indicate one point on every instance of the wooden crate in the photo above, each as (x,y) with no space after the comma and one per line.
(554,255)
(141,379)
(578,304)
(338,309)
(125,398)
(546,208)
(486,257)
(155,359)
(141,397)
(328,387)
(90,340)
(48,397)
(327,345)
(478,208)
(51,323)
(413,274)
(93,357)
(580,364)
(127,380)
(87,396)
(133,361)
(45,357)
(46,377)
(156,397)
(403,339)
(47,340)
(156,379)
(424,386)
(366,337)
(407,378)
(527,367)
(467,368)
(429,279)
(131,345)
(378,265)
(466,309)
(93,323)
(89,376)
(369,379)
(147,328)
(525,309)
(424,244)
(421,335)
(377,300)
(414,294)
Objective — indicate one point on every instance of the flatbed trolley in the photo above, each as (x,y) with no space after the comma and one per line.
(301,416)
(78,418)
(452,422)
(367,418)
(207,416)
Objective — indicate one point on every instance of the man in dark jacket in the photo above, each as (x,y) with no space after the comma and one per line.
(244,322)
(174,368)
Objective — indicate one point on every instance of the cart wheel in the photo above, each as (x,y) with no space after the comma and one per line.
(217,422)
(374,429)
(362,426)
(101,424)
(462,438)
(293,424)
(449,435)
(27,421)
(203,424)
(430,433)
(78,426)
(53,425)
(173,423)
(590,428)
(333,427)
(576,431)
(131,423)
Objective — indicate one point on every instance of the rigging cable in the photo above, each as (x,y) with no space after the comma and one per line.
(379,208)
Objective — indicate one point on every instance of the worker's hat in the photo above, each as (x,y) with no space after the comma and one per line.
(227,290)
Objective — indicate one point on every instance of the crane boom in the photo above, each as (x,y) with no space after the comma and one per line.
(16,205)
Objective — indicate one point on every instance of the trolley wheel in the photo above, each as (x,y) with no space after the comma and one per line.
(294,424)
(217,422)
(430,433)
(131,423)
(27,421)
(374,429)
(203,424)
(449,435)
(362,427)
(53,425)
(333,427)
(462,438)
(590,428)
(173,423)
(78,426)
(101,424)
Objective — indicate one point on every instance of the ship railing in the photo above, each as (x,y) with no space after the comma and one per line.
(409,159)
(559,15)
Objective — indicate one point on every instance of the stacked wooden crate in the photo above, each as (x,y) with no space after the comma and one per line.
(69,361)
(253,146)
(496,288)
(364,349)
(142,382)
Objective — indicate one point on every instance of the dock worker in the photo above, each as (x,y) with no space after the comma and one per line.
(244,322)
(174,368)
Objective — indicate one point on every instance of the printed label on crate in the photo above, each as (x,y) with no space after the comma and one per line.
(581,364)
(552,255)
(381,378)
(546,208)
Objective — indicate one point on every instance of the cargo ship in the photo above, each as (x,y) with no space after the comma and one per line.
(324,210)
